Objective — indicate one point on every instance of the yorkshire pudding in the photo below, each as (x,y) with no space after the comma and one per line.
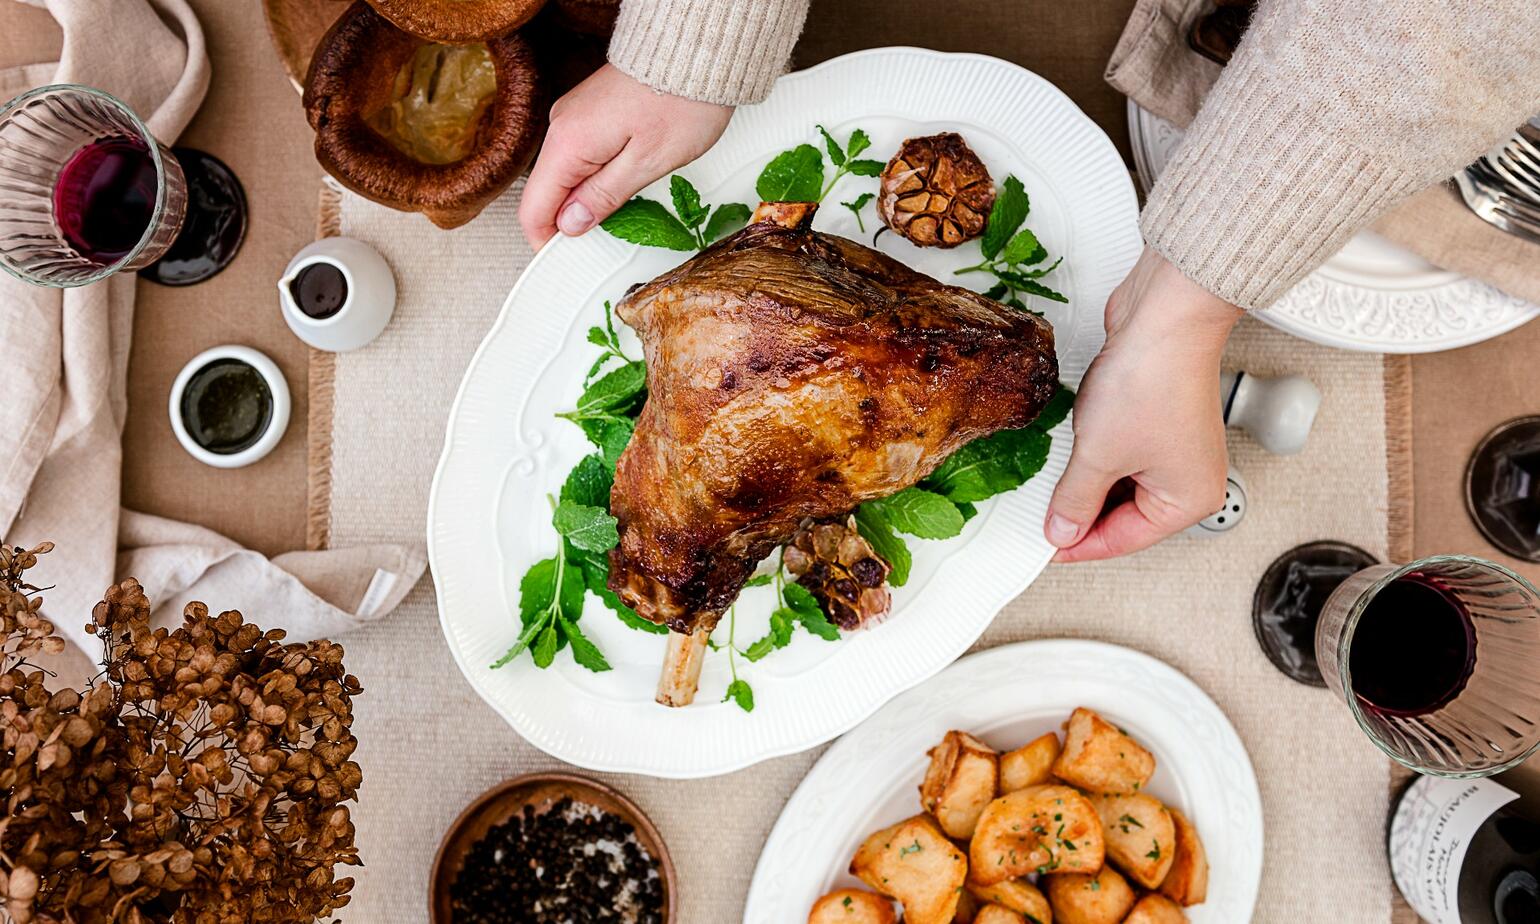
(420,127)
(458,21)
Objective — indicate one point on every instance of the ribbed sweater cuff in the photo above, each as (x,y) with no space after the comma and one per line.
(1260,194)
(716,51)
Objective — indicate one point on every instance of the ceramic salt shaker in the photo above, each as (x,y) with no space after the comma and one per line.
(337,294)
(1278,413)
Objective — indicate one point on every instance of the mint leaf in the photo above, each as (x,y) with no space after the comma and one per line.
(856,205)
(865,167)
(759,580)
(741,693)
(997,291)
(836,153)
(616,391)
(686,201)
(859,141)
(609,433)
(805,609)
(1057,408)
(792,176)
(649,223)
(525,638)
(990,465)
(874,528)
(922,513)
(584,652)
(597,337)
(591,529)
(817,623)
(782,623)
(727,219)
(544,649)
(1010,210)
(1035,288)
(1023,248)
(537,590)
(589,483)
(968,511)
(570,593)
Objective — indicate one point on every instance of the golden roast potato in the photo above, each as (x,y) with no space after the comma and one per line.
(1040,829)
(1187,881)
(1029,765)
(1156,909)
(1140,835)
(1100,758)
(962,779)
(1102,898)
(852,906)
(1019,895)
(998,914)
(915,863)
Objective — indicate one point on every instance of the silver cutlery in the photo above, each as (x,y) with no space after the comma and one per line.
(1503,188)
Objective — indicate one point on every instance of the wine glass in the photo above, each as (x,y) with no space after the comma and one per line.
(1437,660)
(87,191)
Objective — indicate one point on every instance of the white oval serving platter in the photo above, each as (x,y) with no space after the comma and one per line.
(504,451)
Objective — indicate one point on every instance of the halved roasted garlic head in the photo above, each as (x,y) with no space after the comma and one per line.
(936,192)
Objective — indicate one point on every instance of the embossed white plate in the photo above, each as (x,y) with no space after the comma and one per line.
(505,451)
(1009,695)
(1373,295)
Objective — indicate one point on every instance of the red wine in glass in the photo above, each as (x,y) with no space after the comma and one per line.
(1413,650)
(104,199)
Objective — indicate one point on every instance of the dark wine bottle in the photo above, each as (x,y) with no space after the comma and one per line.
(1467,852)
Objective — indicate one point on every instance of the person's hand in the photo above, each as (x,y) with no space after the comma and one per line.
(609,137)
(1148,426)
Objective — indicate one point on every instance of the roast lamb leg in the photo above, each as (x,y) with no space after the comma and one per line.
(793,374)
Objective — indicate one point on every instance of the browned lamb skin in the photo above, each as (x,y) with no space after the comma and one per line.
(794,374)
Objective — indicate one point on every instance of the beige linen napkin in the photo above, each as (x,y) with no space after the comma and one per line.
(1156,68)
(63,388)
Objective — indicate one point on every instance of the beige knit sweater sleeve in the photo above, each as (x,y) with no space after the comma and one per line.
(717,51)
(1329,115)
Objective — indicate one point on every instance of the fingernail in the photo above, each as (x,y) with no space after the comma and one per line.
(575,219)
(1062,531)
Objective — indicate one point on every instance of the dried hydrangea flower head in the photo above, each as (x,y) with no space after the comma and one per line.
(200,780)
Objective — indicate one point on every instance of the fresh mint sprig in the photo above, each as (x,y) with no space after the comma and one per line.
(692,225)
(797,175)
(856,205)
(551,592)
(795,605)
(1013,253)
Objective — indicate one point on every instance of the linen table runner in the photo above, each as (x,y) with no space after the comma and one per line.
(428,744)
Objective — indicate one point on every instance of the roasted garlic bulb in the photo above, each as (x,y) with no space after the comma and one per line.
(847,577)
(936,192)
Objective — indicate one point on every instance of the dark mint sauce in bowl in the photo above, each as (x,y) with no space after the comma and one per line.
(227,406)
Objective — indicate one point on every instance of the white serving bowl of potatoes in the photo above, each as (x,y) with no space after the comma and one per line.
(1056,781)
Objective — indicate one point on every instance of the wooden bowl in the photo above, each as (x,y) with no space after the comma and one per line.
(540,790)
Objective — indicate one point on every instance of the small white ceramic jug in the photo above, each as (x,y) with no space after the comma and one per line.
(367,299)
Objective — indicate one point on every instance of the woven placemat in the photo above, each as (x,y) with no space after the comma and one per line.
(428,744)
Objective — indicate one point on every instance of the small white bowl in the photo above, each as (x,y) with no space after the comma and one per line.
(277,424)
(370,302)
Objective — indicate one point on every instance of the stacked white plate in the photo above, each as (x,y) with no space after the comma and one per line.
(1374,295)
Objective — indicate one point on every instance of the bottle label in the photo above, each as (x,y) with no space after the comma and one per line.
(1429,835)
